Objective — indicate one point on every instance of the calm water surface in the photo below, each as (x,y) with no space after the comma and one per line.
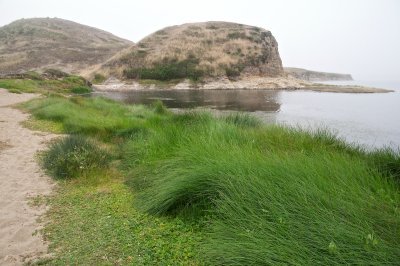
(372,120)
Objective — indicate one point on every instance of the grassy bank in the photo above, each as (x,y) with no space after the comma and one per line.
(92,219)
(193,189)
(37,83)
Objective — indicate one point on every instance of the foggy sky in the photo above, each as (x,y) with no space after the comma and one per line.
(360,37)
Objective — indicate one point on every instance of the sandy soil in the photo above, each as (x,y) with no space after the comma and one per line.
(21,179)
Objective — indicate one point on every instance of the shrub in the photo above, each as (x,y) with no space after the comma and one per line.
(33,75)
(74,156)
(237,35)
(232,72)
(75,80)
(132,73)
(15,91)
(81,90)
(55,73)
(98,78)
(211,27)
(167,71)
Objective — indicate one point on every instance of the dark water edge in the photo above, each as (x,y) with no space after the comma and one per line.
(235,100)
(372,120)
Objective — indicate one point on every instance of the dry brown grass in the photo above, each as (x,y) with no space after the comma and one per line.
(217,45)
(33,44)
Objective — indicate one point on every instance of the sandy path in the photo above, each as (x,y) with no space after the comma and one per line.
(20,179)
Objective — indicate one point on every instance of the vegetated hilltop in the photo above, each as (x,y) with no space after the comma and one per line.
(37,43)
(195,50)
(310,75)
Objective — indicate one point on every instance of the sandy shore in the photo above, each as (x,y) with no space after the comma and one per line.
(250,83)
(21,179)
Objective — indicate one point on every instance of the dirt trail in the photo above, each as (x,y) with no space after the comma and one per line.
(20,179)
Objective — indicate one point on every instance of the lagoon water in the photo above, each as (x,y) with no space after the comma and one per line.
(372,120)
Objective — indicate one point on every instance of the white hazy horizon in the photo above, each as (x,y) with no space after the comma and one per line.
(359,37)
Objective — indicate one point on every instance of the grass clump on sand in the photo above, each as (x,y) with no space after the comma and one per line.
(239,191)
(98,79)
(73,156)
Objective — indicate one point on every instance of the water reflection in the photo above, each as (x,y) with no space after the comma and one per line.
(238,100)
(368,119)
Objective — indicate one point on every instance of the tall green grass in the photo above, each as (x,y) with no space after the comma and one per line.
(37,84)
(74,156)
(270,194)
(98,117)
(325,209)
(276,195)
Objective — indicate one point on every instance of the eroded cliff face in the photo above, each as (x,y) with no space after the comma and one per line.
(210,49)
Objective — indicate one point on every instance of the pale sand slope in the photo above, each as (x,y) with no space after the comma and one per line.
(20,179)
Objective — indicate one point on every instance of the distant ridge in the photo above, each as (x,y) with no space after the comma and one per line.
(310,75)
(37,43)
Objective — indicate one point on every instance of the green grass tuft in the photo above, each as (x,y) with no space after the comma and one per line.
(34,83)
(159,107)
(93,116)
(16,91)
(243,119)
(387,161)
(98,79)
(74,156)
(20,85)
(81,90)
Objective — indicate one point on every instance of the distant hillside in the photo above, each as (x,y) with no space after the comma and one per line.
(30,44)
(309,75)
(209,49)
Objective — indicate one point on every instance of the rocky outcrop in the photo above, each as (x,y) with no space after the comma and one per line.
(209,49)
(309,75)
